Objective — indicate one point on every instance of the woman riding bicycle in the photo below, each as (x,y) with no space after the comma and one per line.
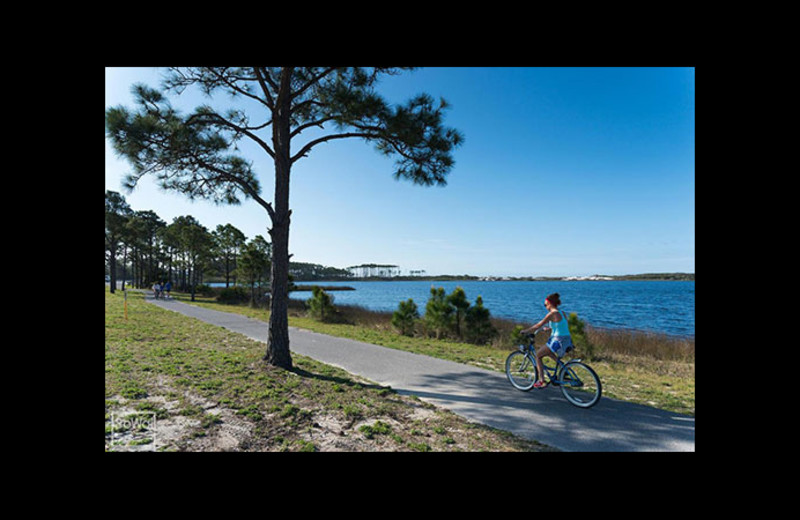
(560,339)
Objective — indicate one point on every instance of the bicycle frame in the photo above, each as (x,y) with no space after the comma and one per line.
(555,375)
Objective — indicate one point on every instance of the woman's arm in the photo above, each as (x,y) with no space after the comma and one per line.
(540,324)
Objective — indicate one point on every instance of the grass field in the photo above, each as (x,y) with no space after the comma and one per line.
(173,383)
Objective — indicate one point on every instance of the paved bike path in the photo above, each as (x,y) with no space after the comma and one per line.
(480,395)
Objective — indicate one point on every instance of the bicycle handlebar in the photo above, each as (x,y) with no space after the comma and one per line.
(531,334)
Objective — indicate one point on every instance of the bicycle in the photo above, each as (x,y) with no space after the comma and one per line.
(578,381)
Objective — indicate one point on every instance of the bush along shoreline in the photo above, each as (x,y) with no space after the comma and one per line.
(447,316)
(648,368)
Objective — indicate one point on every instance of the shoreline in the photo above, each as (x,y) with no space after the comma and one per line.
(304,287)
(598,328)
(666,277)
(326,288)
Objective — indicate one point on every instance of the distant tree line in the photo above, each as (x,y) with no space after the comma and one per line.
(142,249)
(681,277)
(374,270)
(302,271)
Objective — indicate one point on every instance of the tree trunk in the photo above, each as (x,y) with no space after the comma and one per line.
(192,278)
(169,275)
(227,270)
(278,352)
(112,269)
(124,264)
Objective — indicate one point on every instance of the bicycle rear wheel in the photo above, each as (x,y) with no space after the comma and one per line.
(580,384)
(521,370)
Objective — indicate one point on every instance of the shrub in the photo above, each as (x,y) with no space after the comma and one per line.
(517,338)
(478,323)
(444,315)
(204,290)
(235,294)
(458,300)
(438,312)
(320,305)
(576,330)
(405,316)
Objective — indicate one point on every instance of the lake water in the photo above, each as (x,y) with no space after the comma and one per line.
(666,307)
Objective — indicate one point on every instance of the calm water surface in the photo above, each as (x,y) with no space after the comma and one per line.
(653,306)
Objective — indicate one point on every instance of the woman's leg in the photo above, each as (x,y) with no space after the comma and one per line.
(540,354)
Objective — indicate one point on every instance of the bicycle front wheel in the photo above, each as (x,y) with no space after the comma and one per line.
(580,384)
(521,371)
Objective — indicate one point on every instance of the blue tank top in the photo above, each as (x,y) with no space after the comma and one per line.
(560,328)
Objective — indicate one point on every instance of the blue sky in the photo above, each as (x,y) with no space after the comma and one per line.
(563,172)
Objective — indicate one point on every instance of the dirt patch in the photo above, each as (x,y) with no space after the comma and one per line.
(332,433)
(165,422)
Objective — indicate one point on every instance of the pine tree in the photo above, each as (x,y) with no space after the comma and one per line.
(405,316)
(320,304)
(254,265)
(438,312)
(228,242)
(196,242)
(478,323)
(458,299)
(194,154)
(117,214)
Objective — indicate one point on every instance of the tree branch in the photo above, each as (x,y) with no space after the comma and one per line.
(318,123)
(238,89)
(331,137)
(313,81)
(263,82)
(224,122)
(232,178)
(285,87)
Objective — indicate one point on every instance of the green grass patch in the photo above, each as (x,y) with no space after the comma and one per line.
(158,361)
(371,430)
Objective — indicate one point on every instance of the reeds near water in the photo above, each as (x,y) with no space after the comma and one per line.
(640,343)
(600,340)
